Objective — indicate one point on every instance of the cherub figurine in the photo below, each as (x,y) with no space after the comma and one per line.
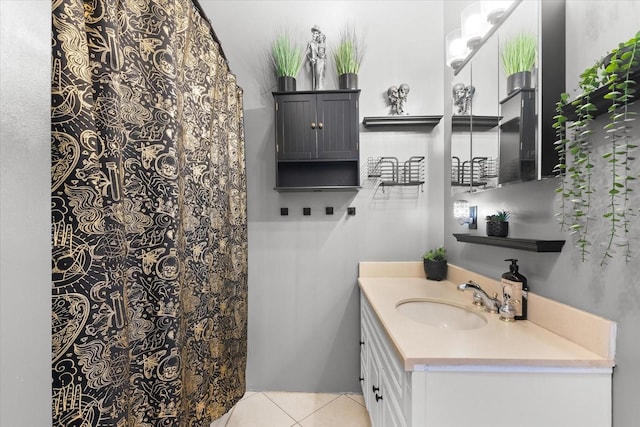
(462,97)
(397,97)
(392,96)
(403,92)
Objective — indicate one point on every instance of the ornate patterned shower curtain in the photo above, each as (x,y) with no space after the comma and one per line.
(148,199)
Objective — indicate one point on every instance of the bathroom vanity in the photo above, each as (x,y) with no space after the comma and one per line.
(465,367)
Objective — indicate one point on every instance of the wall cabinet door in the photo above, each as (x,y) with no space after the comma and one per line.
(338,126)
(296,126)
(317,125)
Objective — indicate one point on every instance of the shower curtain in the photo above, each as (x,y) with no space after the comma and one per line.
(148,203)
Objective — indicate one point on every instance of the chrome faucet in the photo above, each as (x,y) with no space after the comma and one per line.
(492,304)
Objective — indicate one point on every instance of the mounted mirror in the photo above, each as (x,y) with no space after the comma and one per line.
(505,135)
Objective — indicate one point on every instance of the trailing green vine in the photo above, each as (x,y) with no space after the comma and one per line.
(574,147)
(621,92)
(576,187)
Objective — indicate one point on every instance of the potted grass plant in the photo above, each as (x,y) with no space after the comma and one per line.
(435,263)
(287,59)
(348,56)
(518,58)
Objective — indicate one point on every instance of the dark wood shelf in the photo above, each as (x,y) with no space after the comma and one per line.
(401,121)
(463,122)
(317,189)
(532,245)
(597,99)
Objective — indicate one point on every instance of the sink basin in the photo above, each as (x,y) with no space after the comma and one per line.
(441,314)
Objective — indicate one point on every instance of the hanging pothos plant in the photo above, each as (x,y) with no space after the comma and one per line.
(610,79)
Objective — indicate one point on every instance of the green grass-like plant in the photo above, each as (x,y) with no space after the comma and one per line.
(286,56)
(519,53)
(437,254)
(348,54)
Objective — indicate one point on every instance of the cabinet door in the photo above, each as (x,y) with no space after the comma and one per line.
(382,388)
(338,123)
(375,391)
(518,138)
(296,125)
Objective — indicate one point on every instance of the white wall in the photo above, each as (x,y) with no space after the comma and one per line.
(303,296)
(25,257)
(612,291)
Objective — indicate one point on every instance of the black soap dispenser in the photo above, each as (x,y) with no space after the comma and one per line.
(515,286)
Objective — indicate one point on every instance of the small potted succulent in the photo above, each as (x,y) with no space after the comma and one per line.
(498,224)
(435,263)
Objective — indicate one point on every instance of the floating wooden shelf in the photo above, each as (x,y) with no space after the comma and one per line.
(597,99)
(479,122)
(532,245)
(317,189)
(401,121)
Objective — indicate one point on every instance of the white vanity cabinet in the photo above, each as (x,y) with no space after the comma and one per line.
(463,394)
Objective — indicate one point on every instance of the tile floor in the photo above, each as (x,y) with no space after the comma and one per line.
(280,409)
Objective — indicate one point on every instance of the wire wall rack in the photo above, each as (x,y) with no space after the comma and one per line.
(474,172)
(391,172)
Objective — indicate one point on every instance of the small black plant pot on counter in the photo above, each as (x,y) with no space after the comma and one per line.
(435,270)
(498,228)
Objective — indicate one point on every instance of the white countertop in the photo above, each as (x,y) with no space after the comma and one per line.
(498,343)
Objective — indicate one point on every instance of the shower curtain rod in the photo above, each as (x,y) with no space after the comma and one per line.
(197,5)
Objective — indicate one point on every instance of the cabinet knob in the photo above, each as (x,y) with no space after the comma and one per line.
(361,342)
(313,125)
(375,389)
(361,378)
(378,397)
(320,125)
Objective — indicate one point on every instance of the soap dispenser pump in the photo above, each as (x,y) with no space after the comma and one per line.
(515,286)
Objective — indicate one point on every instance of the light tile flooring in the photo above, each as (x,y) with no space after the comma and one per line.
(280,409)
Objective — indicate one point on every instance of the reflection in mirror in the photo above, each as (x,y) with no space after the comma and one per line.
(493,12)
(520,148)
(517,91)
(484,140)
(474,137)
(460,140)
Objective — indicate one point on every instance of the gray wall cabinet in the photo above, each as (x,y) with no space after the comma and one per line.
(317,140)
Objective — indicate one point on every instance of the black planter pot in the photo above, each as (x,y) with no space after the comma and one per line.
(435,270)
(348,81)
(498,228)
(521,80)
(286,84)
